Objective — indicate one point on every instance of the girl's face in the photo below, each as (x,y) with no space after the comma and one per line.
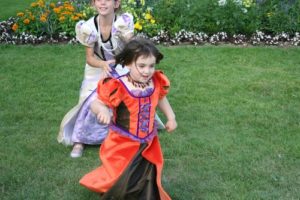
(143,69)
(106,7)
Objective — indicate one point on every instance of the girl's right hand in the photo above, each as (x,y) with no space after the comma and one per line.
(106,68)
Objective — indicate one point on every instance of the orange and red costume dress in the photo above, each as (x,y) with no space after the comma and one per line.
(131,155)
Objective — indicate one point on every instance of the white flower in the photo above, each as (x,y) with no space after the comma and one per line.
(149,9)
(244,10)
(238,2)
(222,2)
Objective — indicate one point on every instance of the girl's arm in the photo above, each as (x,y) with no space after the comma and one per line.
(93,61)
(101,110)
(165,107)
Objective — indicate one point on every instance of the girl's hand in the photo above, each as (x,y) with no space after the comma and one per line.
(104,116)
(106,68)
(171,125)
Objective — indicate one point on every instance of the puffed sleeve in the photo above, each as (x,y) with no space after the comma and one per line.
(163,83)
(109,92)
(86,33)
(123,25)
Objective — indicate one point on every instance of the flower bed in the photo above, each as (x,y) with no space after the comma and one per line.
(7,36)
(48,22)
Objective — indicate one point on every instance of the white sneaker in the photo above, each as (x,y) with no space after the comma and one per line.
(77,150)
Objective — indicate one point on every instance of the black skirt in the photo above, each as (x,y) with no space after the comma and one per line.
(138,182)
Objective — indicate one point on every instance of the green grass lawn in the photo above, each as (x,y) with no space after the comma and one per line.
(238,113)
(10,8)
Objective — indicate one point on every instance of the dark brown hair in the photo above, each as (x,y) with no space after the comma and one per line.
(136,48)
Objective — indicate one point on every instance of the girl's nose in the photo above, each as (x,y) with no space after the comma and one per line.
(146,70)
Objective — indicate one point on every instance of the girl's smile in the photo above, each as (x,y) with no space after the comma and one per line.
(106,6)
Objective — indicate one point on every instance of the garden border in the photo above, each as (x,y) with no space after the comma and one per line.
(7,36)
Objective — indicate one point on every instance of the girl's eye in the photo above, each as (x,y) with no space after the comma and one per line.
(141,66)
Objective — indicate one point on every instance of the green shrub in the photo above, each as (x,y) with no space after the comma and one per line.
(170,14)
(143,16)
(280,16)
(205,16)
(230,16)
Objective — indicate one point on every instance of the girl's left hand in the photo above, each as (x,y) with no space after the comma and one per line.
(171,125)
(104,116)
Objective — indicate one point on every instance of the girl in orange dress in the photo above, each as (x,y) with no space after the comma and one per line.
(131,156)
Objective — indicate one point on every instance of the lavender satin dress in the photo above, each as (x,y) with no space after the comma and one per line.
(87,129)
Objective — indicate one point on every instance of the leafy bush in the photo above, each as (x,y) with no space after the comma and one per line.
(170,14)
(279,15)
(230,16)
(143,16)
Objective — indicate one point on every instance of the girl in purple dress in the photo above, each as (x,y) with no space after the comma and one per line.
(103,36)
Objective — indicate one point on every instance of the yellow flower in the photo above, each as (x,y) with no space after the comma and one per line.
(152,21)
(26,21)
(15,27)
(62,18)
(66,13)
(31,17)
(148,16)
(138,26)
(43,18)
(66,3)
(33,4)
(52,5)
(79,15)
(269,14)
(20,14)
(70,8)
(247,3)
(57,10)
(75,18)
(41,3)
